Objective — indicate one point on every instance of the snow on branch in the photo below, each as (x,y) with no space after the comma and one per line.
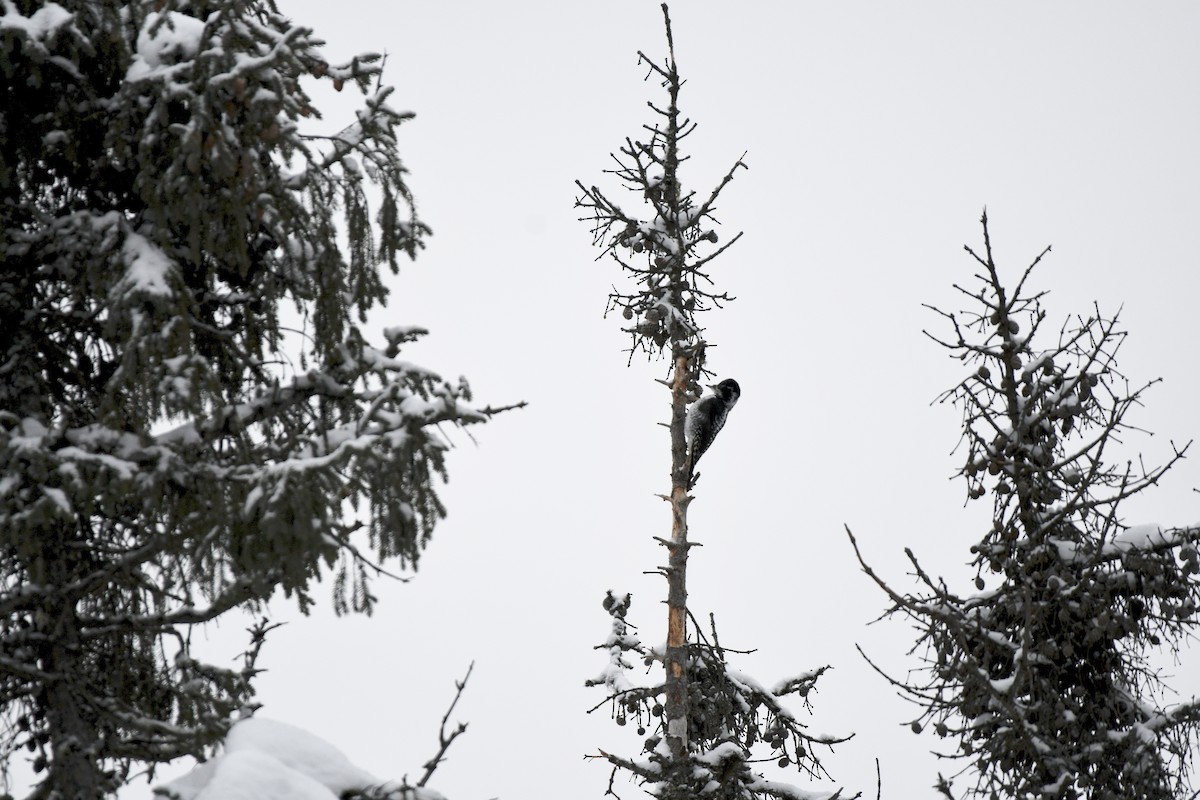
(734,721)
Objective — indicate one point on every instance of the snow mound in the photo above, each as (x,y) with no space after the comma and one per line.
(164,42)
(45,21)
(149,267)
(268,760)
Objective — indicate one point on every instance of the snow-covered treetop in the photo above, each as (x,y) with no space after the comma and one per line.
(667,246)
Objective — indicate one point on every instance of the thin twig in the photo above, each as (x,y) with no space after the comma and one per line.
(444,739)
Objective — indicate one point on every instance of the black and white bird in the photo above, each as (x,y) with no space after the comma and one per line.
(707,416)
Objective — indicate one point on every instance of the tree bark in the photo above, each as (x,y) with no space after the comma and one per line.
(676,706)
(73,770)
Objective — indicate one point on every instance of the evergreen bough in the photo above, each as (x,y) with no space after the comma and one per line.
(191,414)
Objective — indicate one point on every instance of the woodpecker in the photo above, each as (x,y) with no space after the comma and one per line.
(707,416)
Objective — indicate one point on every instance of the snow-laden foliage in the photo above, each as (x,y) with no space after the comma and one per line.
(171,446)
(734,722)
(1046,680)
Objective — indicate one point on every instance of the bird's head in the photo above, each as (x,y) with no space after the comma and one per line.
(728,390)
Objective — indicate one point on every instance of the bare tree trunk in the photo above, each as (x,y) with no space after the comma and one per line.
(74,772)
(676,706)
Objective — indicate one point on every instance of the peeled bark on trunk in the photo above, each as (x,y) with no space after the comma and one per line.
(676,706)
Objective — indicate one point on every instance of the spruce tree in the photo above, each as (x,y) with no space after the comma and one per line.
(1046,680)
(704,724)
(172,446)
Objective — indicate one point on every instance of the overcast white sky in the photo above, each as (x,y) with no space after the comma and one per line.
(876,133)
